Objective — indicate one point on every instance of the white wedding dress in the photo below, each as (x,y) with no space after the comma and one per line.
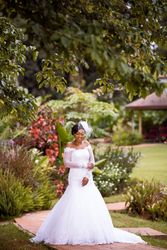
(81,215)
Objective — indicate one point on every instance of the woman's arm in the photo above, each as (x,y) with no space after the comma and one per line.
(90,166)
(91,162)
(91,157)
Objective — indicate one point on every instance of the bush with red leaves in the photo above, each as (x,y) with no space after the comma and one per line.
(45,137)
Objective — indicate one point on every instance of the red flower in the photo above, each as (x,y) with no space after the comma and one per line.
(44,135)
(61,170)
(59,188)
(35,132)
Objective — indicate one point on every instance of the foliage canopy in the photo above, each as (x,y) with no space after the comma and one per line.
(12,56)
(116,36)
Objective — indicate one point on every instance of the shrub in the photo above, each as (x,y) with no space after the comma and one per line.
(31,172)
(116,171)
(43,190)
(59,176)
(147,199)
(44,134)
(15,198)
(18,161)
(121,137)
(49,136)
(159,209)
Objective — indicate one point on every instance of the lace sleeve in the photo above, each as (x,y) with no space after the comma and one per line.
(68,159)
(91,160)
(91,155)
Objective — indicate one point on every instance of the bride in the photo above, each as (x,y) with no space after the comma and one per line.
(81,215)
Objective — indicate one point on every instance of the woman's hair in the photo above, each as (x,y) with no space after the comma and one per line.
(75,128)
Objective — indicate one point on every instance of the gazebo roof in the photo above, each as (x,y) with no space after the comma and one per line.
(151,102)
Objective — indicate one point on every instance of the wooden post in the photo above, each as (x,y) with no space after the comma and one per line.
(140,121)
(133,124)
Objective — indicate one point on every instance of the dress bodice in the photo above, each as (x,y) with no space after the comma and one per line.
(80,155)
(77,160)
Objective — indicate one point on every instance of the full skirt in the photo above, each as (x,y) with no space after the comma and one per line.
(81,217)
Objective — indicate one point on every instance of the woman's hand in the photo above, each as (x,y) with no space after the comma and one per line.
(85,181)
(90,165)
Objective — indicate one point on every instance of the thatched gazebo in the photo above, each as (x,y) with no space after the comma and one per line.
(151,102)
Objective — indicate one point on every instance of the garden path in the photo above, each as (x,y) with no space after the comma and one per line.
(117,206)
(30,223)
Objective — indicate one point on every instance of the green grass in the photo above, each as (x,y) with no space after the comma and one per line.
(152,164)
(124,220)
(11,238)
(115,198)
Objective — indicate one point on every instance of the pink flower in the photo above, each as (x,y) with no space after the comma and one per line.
(61,170)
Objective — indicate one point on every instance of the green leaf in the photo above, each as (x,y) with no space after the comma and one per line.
(35,54)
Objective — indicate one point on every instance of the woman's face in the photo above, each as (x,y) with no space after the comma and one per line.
(80,135)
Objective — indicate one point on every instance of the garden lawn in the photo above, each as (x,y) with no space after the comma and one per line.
(115,198)
(152,164)
(124,220)
(11,238)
